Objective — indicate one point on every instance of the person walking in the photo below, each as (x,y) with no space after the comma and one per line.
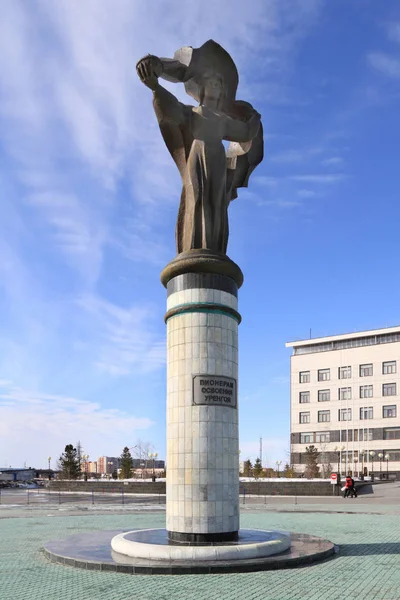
(349,487)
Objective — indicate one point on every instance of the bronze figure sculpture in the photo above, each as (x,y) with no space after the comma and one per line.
(194,137)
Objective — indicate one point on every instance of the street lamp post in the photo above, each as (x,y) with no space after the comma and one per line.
(355,460)
(380,456)
(85,458)
(387,456)
(154,456)
(278,464)
(338,462)
(49,461)
(372,454)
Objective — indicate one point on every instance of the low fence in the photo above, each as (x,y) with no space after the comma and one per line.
(99,498)
(113,487)
(261,487)
(42,496)
(250,492)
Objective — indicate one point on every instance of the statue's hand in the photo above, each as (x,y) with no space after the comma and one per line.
(149,69)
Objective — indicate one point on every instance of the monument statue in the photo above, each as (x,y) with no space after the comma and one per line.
(202,532)
(194,137)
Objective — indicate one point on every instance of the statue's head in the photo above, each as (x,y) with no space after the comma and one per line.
(210,61)
(212,91)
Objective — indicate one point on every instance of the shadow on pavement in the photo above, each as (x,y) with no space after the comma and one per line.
(364,489)
(369,549)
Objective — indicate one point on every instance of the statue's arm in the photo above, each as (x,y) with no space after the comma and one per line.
(173,70)
(242,131)
(167,107)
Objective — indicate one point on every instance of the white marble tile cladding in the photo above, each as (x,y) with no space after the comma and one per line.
(202,441)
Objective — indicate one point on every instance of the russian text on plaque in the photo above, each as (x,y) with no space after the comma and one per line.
(214,390)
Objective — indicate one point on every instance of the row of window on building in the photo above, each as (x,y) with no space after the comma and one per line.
(345,414)
(366,370)
(348,435)
(372,340)
(345,393)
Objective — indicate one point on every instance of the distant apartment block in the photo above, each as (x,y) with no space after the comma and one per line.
(107,464)
(345,401)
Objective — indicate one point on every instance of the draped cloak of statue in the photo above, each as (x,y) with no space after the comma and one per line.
(194,135)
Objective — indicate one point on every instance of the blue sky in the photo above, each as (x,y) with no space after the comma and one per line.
(89,197)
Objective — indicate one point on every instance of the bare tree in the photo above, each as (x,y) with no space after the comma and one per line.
(142,449)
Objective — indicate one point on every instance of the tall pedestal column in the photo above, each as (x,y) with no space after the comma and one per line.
(202,408)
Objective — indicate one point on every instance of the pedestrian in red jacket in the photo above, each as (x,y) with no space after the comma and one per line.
(349,487)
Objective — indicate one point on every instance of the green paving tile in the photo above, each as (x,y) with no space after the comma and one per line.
(368,566)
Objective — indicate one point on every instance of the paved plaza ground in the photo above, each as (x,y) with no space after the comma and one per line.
(367,531)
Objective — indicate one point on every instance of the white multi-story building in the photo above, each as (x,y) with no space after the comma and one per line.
(345,401)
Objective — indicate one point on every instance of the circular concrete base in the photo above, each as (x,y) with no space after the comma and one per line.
(93,551)
(152,544)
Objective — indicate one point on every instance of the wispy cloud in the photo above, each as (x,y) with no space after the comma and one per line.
(126,339)
(73,229)
(304,193)
(44,423)
(280,203)
(393,31)
(296,155)
(89,192)
(333,161)
(386,64)
(323,179)
(89,119)
(265,180)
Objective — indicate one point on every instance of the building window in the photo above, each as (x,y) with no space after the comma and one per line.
(304,377)
(323,437)
(324,416)
(344,372)
(389,368)
(366,391)
(356,435)
(304,417)
(365,435)
(344,414)
(389,389)
(345,393)
(366,412)
(324,395)
(304,397)
(306,438)
(371,340)
(391,434)
(324,374)
(366,370)
(389,411)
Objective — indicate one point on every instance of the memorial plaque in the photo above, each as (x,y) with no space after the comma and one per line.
(214,390)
